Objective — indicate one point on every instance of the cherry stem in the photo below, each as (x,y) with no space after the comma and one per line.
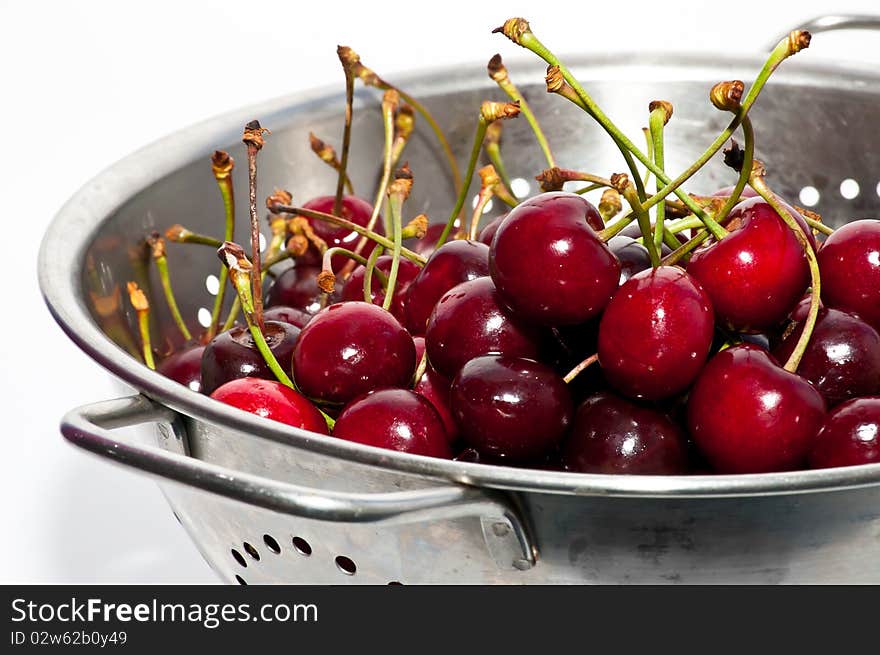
(573,373)
(253,139)
(142,307)
(489,113)
(370,269)
(326,278)
(179,234)
(492,146)
(398,192)
(157,246)
(236,303)
(222,165)
(819,226)
(659,116)
(756,181)
(498,72)
(489,182)
(354,227)
(327,154)
(420,369)
(404,123)
(625,187)
(587,189)
(649,151)
(346,133)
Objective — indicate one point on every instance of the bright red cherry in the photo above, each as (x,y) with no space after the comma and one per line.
(353,289)
(850,435)
(233,354)
(756,274)
(850,264)
(453,263)
(397,419)
(349,349)
(296,287)
(549,265)
(612,435)
(655,334)
(842,358)
(271,399)
(184,366)
(354,209)
(470,320)
(747,414)
(436,389)
(284,314)
(509,407)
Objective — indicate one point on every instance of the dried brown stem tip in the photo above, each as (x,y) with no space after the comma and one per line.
(734,156)
(351,61)
(233,257)
(493,132)
(278,197)
(620,182)
(488,176)
(221,164)
(497,70)
(610,203)
(402,183)
(514,29)
(297,245)
(418,226)
(157,245)
(324,150)
(554,79)
(494,111)
(253,134)
(391,98)
(138,298)
(551,179)
(664,105)
(326,281)
(798,40)
(405,121)
(726,96)
(177,233)
(758,169)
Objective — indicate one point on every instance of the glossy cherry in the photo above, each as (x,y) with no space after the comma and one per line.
(655,334)
(436,389)
(271,399)
(296,287)
(470,320)
(747,414)
(353,289)
(488,232)
(284,314)
(397,419)
(184,366)
(510,408)
(842,358)
(549,265)
(354,209)
(849,436)
(453,263)
(756,274)
(233,354)
(850,264)
(633,256)
(610,434)
(349,349)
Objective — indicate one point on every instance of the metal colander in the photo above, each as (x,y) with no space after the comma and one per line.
(269,503)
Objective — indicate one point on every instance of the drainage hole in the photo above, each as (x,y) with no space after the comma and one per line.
(302,546)
(271,544)
(239,557)
(346,565)
(241,581)
(395,583)
(250,550)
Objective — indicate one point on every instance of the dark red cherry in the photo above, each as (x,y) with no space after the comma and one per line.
(453,263)
(353,289)
(849,436)
(757,274)
(436,389)
(633,256)
(612,435)
(849,261)
(747,414)
(397,419)
(655,334)
(509,407)
(488,232)
(185,367)
(354,209)
(271,399)
(428,243)
(842,358)
(349,349)
(284,314)
(470,320)
(549,265)
(296,287)
(233,354)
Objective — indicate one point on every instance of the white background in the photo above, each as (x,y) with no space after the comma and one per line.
(84,83)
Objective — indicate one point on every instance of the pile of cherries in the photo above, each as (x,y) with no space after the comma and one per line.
(539,344)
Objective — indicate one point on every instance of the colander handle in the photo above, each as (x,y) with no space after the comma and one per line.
(89,427)
(837,22)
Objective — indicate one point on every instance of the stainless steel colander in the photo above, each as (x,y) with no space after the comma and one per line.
(269,503)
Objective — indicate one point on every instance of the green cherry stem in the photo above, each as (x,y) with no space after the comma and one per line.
(727,96)
(179,234)
(404,124)
(553,179)
(142,307)
(492,146)
(277,258)
(222,165)
(819,226)
(398,192)
(625,187)
(157,246)
(649,151)
(370,269)
(660,113)
(489,182)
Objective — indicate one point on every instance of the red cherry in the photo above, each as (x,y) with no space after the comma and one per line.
(510,407)
(354,209)
(655,334)
(185,367)
(850,435)
(747,414)
(296,287)
(349,349)
(842,358)
(233,354)
(633,256)
(488,232)
(612,435)
(548,263)
(757,274)
(271,399)
(353,289)
(453,263)
(470,320)
(428,243)
(436,389)
(284,314)
(397,419)
(850,264)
